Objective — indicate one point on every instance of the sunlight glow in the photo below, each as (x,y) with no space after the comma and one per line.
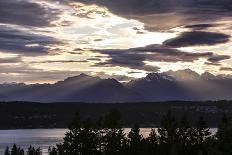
(78,28)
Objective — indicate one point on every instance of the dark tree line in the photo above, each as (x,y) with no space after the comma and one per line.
(18,151)
(174,137)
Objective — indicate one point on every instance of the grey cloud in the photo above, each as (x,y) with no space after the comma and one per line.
(94,59)
(134,58)
(134,72)
(131,61)
(218,58)
(226,69)
(23,42)
(54,75)
(197,27)
(213,63)
(138,7)
(25,73)
(122,78)
(11,60)
(60,61)
(19,69)
(98,40)
(197,38)
(26,12)
(177,12)
(78,49)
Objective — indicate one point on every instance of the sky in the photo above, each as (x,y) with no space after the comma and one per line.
(48,40)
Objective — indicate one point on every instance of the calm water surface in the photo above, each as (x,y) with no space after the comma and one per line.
(42,138)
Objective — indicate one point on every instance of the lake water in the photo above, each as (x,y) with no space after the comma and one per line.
(42,138)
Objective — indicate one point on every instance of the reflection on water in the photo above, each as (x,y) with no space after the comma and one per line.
(42,138)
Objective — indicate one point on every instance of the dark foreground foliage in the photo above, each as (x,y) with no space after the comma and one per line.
(18,151)
(174,137)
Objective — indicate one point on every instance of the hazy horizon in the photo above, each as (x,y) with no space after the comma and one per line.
(123,79)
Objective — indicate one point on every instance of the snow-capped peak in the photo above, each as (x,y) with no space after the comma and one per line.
(157,77)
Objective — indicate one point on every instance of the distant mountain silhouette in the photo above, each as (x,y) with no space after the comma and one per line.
(183,85)
(82,88)
(171,85)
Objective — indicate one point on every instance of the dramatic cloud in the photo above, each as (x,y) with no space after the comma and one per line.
(26,12)
(23,42)
(197,38)
(135,57)
(52,39)
(139,7)
(128,60)
(178,12)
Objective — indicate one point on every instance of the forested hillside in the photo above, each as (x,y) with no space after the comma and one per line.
(58,115)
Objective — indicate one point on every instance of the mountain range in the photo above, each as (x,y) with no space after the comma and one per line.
(172,85)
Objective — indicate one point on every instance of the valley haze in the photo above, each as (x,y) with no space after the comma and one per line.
(182,85)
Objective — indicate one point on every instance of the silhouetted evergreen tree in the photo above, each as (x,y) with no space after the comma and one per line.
(199,134)
(7,152)
(135,141)
(114,137)
(14,150)
(60,149)
(106,137)
(183,131)
(82,138)
(150,144)
(21,152)
(52,151)
(224,136)
(167,133)
(184,136)
(32,151)
(202,130)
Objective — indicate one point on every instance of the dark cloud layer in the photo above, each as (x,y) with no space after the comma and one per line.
(23,42)
(134,58)
(179,12)
(25,12)
(226,69)
(197,38)
(212,64)
(60,61)
(128,60)
(139,7)
(197,27)
(155,14)
(218,58)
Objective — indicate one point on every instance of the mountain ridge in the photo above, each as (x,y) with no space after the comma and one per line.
(172,85)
